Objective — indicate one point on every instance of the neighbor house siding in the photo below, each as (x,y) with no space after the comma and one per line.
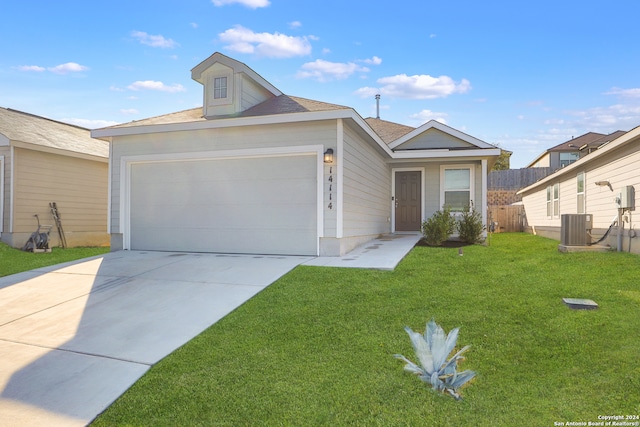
(366,188)
(232,138)
(619,167)
(78,186)
(5,191)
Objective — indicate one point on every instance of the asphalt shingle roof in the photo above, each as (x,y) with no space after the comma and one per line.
(36,130)
(388,131)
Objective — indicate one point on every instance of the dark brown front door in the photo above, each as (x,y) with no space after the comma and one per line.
(408,202)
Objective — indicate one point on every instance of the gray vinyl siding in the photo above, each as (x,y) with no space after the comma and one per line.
(366,188)
(252,94)
(434,139)
(431,182)
(246,137)
(78,186)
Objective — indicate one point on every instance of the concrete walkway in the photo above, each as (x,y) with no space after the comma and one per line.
(75,336)
(383,253)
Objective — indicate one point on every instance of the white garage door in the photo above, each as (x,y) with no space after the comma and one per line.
(265,205)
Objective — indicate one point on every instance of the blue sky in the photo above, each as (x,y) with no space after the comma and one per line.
(522,75)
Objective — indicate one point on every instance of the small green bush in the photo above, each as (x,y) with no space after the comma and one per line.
(470,226)
(439,227)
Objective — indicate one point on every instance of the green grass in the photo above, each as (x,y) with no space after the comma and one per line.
(15,261)
(316,347)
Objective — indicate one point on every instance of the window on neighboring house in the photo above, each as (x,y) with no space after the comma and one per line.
(580,192)
(219,88)
(457,186)
(549,202)
(568,158)
(556,200)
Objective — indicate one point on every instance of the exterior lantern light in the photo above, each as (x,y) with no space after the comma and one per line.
(328,155)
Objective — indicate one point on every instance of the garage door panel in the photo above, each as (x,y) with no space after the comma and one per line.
(247,205)
(250,217)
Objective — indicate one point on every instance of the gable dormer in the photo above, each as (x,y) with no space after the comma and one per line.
(434,135)
(230,87)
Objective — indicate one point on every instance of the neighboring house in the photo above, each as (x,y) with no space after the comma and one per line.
(44,161)
(588,186)
(257,171)
(571,151)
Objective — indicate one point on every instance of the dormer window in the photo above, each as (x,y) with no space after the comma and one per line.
(219,88)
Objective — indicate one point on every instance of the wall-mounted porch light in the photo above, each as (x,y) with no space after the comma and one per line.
(328,155)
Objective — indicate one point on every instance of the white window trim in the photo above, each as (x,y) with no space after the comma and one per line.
(212,101)
(549,204)
(556,214)
(581,209)
(471,168)
(226,87)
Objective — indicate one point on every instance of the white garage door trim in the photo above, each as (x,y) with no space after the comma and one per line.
(126,163)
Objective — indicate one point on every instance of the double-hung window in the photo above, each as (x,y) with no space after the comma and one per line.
(219,88)
(580,192)
(556,200)
(549,201)
(457,187)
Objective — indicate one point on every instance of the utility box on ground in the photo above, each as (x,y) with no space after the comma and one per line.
(574,229)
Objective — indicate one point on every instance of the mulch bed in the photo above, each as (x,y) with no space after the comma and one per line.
(446,244)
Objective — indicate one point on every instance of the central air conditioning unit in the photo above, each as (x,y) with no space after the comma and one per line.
(575,228)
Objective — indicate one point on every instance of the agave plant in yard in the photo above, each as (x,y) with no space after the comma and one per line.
(432,350)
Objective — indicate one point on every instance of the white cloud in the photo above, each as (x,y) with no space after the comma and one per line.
(373,61)
(154,85)
(625,93)
(608,119)
(193,25)
(69,67)
(323,71)
(129,111)
(253,4)
(114,88)
(295,24)
(31,68)
(426,115)
(90,124)
(154,41)
(417,87)
(243,40)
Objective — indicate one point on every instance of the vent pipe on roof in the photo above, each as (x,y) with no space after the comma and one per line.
(377,106)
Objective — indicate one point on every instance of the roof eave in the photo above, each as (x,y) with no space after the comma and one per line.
(59,151)
(430,154)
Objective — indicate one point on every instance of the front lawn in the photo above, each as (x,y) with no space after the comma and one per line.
(15,261)
(316,347)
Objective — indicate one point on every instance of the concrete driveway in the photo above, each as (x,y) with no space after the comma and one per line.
(74,337)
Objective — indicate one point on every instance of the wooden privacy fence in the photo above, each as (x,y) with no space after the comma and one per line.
(507,219)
